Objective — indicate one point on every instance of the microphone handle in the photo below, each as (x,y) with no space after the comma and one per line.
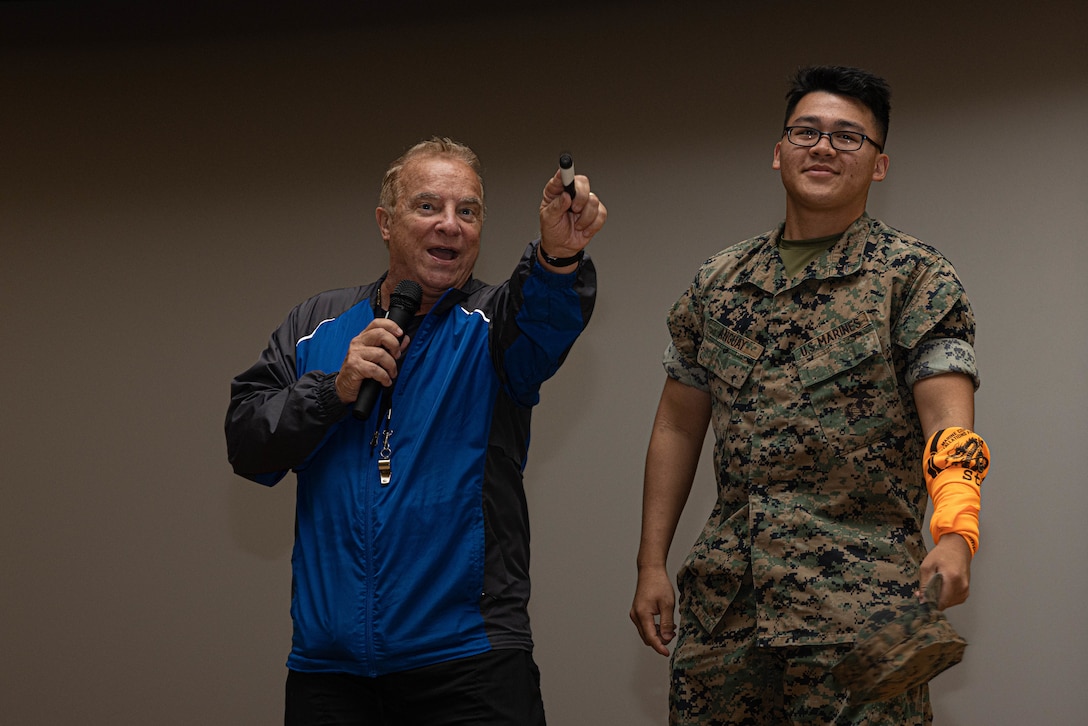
(370,389)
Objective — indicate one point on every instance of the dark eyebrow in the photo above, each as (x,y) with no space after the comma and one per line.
(838,124)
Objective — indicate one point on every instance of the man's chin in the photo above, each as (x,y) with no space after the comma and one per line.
(443,280)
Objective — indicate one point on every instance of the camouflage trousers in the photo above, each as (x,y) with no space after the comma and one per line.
(725,679)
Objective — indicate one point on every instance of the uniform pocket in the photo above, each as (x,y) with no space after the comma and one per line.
(713,571)
(729,357)
(850,384)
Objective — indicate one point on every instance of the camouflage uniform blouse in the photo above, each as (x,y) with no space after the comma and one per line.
(817,440)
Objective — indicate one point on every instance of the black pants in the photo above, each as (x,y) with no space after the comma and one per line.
(499,688)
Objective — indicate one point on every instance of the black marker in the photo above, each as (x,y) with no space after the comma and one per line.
(566,173)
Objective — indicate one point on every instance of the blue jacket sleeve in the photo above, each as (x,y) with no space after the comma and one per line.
(540,317)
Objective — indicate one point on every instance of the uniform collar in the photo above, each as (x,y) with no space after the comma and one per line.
(766,270)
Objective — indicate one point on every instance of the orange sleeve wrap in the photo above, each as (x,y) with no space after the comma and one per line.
(956,461)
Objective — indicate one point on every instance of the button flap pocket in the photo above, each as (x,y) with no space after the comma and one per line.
(850,384)
(713,571)
(728,354)
(832,352)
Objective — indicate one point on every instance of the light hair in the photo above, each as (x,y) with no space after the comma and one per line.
(434,147)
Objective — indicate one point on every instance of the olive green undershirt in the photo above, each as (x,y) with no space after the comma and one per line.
(796,253)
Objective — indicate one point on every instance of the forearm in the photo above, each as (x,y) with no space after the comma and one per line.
(955,460)
(539,317)
(270,430)
(553,303)
(665,491)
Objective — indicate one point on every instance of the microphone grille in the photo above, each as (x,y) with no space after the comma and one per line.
(408,295)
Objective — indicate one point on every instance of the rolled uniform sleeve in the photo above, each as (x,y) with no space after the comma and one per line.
(937,326)
(685,322)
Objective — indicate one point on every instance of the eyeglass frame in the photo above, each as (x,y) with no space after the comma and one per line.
(830,138)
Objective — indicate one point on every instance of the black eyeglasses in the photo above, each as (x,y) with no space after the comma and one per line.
(840,140)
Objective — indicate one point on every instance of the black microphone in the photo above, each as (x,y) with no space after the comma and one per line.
(403,304)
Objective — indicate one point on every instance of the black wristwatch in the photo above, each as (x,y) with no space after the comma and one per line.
(562,261)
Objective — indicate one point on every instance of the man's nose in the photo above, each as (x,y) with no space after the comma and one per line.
(449,222)
(823,145)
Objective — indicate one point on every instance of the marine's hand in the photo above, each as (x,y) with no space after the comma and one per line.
(566,225)
(951,557)
(652,610)
(372,353)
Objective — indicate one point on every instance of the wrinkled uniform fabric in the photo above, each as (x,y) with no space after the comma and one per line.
(817,450)
(433,566)
(901,649)
(818,444)
(725,679)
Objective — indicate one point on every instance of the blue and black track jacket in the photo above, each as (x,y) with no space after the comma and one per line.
(434,565)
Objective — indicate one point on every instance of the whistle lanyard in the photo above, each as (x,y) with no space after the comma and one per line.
(384,431)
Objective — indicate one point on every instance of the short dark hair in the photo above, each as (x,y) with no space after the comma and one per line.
(872,90)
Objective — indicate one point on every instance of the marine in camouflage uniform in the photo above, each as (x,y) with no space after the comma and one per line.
(821,498)
(821,382)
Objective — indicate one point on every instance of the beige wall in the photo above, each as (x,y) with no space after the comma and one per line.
(164,203)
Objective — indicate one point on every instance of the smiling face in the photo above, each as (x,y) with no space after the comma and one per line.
(827,188)
(433,232)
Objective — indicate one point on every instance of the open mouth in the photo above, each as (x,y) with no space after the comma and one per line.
(443,253)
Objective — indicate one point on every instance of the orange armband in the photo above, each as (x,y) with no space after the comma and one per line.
(956,461)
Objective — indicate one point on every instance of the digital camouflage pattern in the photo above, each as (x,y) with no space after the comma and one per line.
(817,442)
(901,649)
(723,678)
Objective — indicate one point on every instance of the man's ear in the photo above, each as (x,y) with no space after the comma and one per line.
(384,220)
(880,168)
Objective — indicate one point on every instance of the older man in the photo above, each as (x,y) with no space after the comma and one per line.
(411,556)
